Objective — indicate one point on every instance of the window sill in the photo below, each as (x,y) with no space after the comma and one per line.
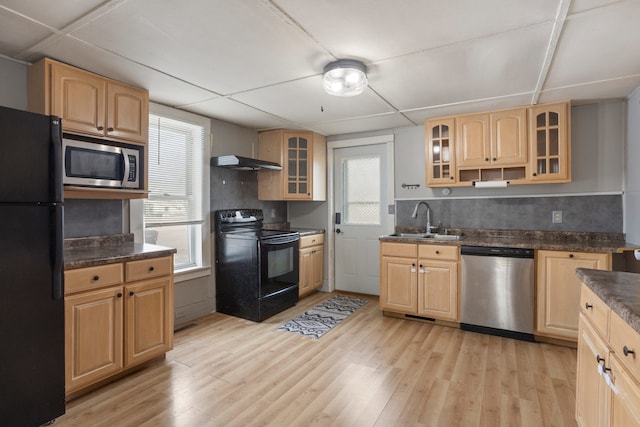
(191,273)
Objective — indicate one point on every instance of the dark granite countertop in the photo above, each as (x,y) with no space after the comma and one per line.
(549,240)
(91,251)
(619,290)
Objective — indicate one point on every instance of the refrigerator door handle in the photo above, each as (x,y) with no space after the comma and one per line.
(57,251)
(56,160)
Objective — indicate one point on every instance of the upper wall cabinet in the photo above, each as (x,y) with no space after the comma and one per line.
(303,156)
(89,104)
(549,141)
(439,152)
(520,145)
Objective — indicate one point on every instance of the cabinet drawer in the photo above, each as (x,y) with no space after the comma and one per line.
(622,335)
(439,252)
(82,279)
(407,250)
(148,268)
(595,310)
(313,240)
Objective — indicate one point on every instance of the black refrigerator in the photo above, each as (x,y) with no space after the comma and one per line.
(31,269)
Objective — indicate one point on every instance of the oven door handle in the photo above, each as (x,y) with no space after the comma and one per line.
(278,241)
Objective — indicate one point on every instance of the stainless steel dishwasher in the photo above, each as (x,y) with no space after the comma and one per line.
(498,291)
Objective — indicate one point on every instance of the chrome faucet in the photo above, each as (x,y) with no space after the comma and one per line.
(415,214)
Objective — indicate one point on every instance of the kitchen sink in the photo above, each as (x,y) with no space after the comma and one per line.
(429,236)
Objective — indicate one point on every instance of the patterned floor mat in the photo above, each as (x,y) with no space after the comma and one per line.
(322,318)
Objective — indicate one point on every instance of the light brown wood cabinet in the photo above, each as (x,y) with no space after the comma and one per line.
(558,290)
(420,280)
(440,151)
(117,316)
(89,104)
(549,143)
(303,156)
(525,145)
(602,341)
(311,263)
(497,138)
(94,106)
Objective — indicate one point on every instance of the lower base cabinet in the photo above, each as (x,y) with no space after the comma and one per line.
(311,264)
(602,341)
(113,322)
(558,290)
(420,280)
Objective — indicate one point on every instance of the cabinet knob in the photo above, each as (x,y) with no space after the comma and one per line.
(110,129)
(599,359)
(494,159)
(451,177)
(131,293)
(119,295)
(486,159)
(151,269)
(587,305)
(95,278)
(100,128)
(437,252)
(570,255)
(535,174)
(627,352)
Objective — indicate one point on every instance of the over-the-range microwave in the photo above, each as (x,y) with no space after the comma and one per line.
(101,164)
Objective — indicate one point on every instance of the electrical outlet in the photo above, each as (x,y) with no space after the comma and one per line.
(556,217)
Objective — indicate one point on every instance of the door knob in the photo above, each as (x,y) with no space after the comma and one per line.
(338,231)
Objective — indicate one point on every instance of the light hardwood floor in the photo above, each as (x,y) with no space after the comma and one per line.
(371,370)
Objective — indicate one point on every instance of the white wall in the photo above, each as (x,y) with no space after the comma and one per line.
(13,86)
(631,198)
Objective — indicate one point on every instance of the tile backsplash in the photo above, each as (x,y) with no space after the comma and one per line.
(596,213)
(83,218)
(231,189)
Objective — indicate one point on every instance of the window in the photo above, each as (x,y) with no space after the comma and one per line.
(174,213)
(362,190)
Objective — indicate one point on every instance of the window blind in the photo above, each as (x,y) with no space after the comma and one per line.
(175,173)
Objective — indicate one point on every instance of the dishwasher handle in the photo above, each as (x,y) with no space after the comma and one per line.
(494,251)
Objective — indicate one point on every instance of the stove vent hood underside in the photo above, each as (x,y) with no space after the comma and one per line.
(243,163)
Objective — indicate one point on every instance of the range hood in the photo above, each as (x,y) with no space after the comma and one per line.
(243,163)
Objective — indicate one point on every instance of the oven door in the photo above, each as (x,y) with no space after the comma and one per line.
(279,264)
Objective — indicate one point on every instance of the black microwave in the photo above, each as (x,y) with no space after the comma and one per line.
(101,164)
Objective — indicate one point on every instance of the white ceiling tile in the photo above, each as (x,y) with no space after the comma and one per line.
(235,112)
(619,88)
(304,100)
(419,116)
(384,121)
(18,34)
(56,14)
(501,65)
(597,45)
(374,30)
(223,46)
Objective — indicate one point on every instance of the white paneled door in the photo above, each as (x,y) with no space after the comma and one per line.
(361,176)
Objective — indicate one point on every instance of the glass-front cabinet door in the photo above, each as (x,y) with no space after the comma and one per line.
(298,165)
(440,155)
(549,143)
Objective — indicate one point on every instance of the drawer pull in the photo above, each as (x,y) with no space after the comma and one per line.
(151,269)
(587,305)
(627,352)
(95,278)
(599,359)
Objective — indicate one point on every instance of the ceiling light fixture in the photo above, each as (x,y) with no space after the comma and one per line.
(344,77)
